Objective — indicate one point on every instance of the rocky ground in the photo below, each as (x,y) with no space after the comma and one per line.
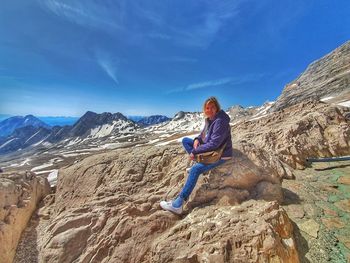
(318,202)
(106,209)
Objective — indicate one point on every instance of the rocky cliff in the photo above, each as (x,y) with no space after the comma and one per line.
(308,129)
(19,197)
(328,76)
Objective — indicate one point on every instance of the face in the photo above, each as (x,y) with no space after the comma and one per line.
(210,110)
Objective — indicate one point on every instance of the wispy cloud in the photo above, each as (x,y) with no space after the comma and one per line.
(84,13)
(152,20)
(108,65)
(203,33)
(218,82)
(211,83)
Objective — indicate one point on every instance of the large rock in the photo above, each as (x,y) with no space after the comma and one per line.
(308,129)
(237,180)
(107,208)
(251,232)
(19,196)
(328,76)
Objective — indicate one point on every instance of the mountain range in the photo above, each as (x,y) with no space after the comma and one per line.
(325,79)
(151,120)
(21,132)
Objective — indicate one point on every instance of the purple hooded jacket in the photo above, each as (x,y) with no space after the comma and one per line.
(216,133)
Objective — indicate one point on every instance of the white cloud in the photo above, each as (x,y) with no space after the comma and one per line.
(84,13)
(203,33)
(108,65)
(153,20)
(211,83)
(218,82)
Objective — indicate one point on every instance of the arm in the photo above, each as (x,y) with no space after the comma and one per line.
(218,136)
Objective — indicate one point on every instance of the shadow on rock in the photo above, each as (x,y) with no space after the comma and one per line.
(29,240)
(301,244)
(290,197)
(332,167)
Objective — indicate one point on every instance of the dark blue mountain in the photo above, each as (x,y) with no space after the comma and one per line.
(151,120)
(8,126)
(135,118)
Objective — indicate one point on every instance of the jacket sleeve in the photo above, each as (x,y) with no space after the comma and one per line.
(218,136)
(200,138)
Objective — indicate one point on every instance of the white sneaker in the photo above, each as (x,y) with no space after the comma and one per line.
(169,207)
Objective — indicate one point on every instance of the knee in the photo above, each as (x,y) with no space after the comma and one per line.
(195,171)
(185,140)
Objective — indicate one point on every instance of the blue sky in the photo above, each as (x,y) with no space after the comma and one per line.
(62,58)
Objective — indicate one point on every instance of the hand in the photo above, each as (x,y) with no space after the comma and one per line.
(192,156)
(195,144)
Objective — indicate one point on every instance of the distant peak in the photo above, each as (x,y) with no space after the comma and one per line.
(90,113)
(29,116)
(179,115)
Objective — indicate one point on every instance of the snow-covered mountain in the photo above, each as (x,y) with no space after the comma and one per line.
(7,126)
(103,130)
(238,113)
(181,122)
(152,120)
(22,138)
(90,127)
(188,122)
(93,125)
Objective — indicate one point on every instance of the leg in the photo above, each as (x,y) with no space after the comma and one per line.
(175,206)
(187,144)
(193,175)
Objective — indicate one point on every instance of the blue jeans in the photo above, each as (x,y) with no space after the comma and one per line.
(195,171)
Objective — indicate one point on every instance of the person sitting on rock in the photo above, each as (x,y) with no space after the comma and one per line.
(216,134)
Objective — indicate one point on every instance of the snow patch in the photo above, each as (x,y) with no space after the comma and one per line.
(26,161)
(262,111)
(52,177)
(7,143)
(74,154)
(72,142)
(32,136)
(110,145)
(102,131)
(44,172)
(345,103)
(326,98)
(41,167)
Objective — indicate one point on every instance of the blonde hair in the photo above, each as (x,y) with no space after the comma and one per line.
(212,100)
